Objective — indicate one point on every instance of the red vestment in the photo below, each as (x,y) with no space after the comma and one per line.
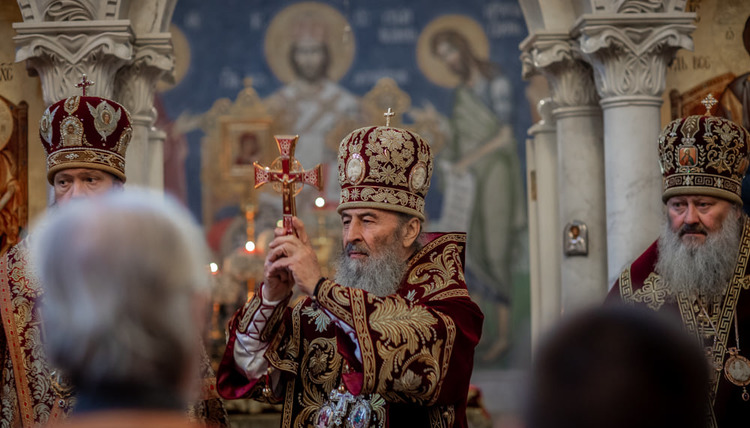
(29,396)
(640,285)
(417,346)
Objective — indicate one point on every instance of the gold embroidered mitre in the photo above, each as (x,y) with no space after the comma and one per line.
(386,168)
(85,132)
(703,155)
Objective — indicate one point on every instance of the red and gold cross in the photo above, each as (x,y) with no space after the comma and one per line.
(84,84)
(288,177)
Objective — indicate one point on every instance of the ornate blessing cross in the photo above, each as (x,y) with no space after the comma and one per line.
(84,84)
(288,177)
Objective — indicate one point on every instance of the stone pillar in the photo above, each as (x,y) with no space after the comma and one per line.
(136,86)
(629,53)
(580,168)
(156,138)
(534,258)
(541,156)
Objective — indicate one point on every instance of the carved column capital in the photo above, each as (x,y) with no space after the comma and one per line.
(69,10)
(153,59)
(546,124)
(61,51)
(630,51)
(556,56)
(638,6)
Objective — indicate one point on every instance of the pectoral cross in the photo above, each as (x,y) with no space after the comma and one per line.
(288,177)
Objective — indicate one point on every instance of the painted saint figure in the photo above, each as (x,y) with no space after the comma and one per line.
(482,146)
(305,51)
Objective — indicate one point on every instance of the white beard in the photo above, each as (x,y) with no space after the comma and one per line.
(700,269)
(379,274)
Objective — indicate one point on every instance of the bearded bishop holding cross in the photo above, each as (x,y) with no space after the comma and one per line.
(389,340)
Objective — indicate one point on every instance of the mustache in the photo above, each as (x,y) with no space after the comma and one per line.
(692,228)
(358,248)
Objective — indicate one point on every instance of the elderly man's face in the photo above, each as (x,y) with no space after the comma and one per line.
(81,183)
(368,231)
(693,218)
(377,244)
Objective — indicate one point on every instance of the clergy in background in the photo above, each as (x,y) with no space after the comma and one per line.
(698,271)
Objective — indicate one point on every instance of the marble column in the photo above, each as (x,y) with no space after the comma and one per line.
(580,168)
(535,289)
(541,156)
(629,53)
(136,86)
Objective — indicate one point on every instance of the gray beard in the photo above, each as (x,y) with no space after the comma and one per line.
(699,269)
(377,274)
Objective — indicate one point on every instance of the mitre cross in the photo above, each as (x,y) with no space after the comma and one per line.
(288,177)
(388,115)
(709,102)
(84,84)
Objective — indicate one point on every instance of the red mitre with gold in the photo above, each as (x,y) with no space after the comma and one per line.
(386,168)
(85,132)
(703,155)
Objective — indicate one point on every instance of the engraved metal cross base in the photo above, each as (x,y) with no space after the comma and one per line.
(287,176)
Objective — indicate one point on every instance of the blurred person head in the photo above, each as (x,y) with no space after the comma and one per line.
(125,283)
(618,367)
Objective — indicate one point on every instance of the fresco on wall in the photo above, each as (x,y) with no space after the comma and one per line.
(13,172)
(321,69)
(734,102)
(719,65)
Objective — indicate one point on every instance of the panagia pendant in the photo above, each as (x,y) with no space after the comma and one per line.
(737,371)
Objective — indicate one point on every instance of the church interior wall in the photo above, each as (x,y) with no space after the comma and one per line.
(718,52)
(16,85)
(381,55)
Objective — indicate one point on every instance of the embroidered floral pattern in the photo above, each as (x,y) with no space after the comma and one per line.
(387,167)
(707,154)
(653,293)
(318,317)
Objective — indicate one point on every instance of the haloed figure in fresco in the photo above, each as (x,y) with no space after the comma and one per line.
(311,104)
(734,103)
(10,199)
(482,145)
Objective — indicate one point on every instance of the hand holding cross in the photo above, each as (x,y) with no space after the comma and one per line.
(289,175)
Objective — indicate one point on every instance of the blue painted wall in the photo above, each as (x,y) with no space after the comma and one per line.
(226,40)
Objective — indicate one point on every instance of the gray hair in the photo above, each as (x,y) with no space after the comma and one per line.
(123,274)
